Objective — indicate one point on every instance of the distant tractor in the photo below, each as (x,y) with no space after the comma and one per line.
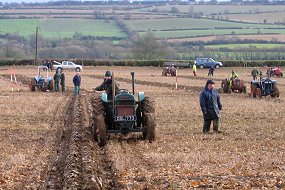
(42,82)
(122,114)
(235,85)
(169,71)
(264,87)
(276,72)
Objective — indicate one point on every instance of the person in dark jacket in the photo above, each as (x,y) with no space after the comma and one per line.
(62,81)
(211,71)
(107,85)
(211,105)
(254,73)
(77,82)
(56,79)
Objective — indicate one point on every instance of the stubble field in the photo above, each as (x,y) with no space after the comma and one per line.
(46,141)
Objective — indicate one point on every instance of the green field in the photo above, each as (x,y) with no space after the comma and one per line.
(237,46)
(220,9)
(61,28)
(212,32)
(189,23)
(274,17)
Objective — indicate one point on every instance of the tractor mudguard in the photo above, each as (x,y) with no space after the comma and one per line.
(104,97)
(141,96)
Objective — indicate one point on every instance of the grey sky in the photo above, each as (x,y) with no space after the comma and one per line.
(19,1)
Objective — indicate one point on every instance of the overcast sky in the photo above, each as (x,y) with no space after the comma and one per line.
(19,1)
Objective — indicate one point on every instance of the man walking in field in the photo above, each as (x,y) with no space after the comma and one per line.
(210,105)
(77,82)
(56,79)
(194,70)
(211,71)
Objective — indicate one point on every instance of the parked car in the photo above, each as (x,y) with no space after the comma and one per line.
(207,62)
(66,65)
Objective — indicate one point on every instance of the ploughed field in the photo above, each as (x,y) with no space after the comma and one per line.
(46,140)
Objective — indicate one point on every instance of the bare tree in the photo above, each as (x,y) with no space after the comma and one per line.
(148,48)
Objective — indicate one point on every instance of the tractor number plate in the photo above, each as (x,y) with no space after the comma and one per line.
(126,118)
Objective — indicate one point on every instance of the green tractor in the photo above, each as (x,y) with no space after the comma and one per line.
(122,114)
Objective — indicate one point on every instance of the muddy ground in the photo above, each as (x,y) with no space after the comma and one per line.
(46,141)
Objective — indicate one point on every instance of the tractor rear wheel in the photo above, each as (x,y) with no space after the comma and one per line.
(99,131)
(51,86)
(275,93)
(32,84)
(98,120)
(97,104)
(224,86)
(148,105)
(164,72)
(148,119)
(253,92)
(229,90)
(243,89)
(258,92)
(149,124)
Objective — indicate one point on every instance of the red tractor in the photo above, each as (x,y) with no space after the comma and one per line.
(235,85)
(276,72)
(169,71)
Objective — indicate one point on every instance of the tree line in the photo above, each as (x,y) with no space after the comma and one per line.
(146,47)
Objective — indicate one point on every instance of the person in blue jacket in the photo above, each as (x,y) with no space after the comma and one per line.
(76,82)
(211,105)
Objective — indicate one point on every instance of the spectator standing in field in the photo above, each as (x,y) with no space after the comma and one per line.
(50,65)
(254,73)
(260,75)
(56,79)
(210,105)
(62,81)
(77,82)
(211,71)
(194,70)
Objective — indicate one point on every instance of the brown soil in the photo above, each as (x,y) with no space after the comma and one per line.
(46,140)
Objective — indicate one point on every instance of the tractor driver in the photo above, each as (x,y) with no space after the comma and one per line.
(107,85)
(234,75)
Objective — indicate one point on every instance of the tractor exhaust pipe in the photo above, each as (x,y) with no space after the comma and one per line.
(133,82)
(113,88)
